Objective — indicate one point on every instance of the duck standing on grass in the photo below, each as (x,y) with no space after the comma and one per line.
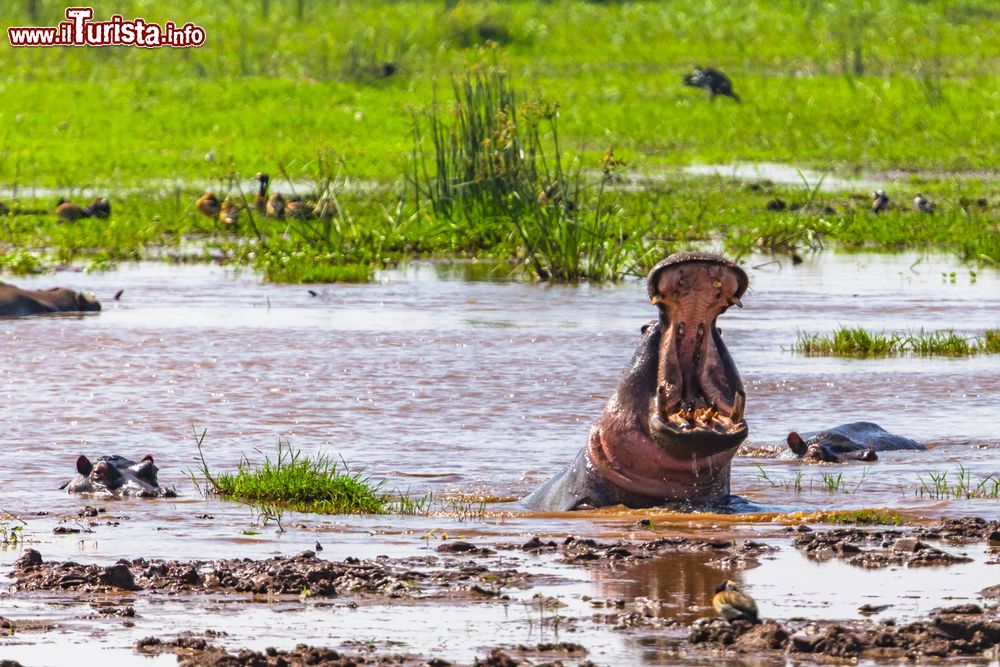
(209,205)
(880,202)
(229,216)
(275,206)
(733,604)
(712,81)
(923,204)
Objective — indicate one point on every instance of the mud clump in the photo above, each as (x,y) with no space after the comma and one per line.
(960,530)
(888,547)
(282,575)
(197,652)
(956,631)
(730,555)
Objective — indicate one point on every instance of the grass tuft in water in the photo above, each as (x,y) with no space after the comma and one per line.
(939,487)
(300,482)
(859,342)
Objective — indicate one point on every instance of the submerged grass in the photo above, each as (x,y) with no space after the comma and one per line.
(859,342)
(940,486)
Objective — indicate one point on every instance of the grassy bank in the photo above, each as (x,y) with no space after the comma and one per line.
(858,342)
(870,85)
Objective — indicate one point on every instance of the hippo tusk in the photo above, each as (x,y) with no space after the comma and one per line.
(735,301)
(739,403)
(656,299)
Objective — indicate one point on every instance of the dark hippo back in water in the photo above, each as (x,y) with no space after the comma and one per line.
(118,476)
(855,441)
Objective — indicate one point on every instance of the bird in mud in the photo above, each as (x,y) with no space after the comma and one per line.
(923,204)
(880,202)
(275,206)
(260,201)
(733,604)
(67,210)
(712,81)
(209,205)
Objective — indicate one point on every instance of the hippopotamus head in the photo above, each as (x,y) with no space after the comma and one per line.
(118,476)
(673,426)
(70,300)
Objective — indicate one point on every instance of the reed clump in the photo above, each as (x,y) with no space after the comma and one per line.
(859,342)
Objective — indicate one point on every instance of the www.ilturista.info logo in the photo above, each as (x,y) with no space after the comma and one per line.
(79,30)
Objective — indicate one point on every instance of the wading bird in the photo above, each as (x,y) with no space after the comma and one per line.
(733,604)
(209,205)
(923,204)
(880,202)
(712,81)
(275,206)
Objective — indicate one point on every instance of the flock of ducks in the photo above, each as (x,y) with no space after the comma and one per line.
(274,205)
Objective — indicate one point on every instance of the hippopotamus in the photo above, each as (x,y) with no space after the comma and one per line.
(16,302)
(857,441)
(671,429)
(118,476)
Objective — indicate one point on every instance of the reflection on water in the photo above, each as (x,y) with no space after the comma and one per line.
(440,384)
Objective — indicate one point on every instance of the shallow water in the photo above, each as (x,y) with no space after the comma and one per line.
(484,388)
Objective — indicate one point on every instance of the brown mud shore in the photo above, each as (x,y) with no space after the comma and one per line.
(465,573)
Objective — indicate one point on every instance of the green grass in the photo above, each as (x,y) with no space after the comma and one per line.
(303,89)
(859,342)
(299,482)
(939,487)
(865,517)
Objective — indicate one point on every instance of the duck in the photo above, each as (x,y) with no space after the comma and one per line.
(229,213)
(260,201)
(325,209)
(275,207)
(880,202)
(923,204)
(67,210)
(299,208)
(711,80)
(733,604)
(209,205)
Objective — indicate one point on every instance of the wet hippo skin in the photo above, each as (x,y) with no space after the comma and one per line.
(671,429)
(857,441)
(16,302)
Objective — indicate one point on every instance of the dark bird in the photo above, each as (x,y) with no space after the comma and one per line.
(712,81)
(923,204)
(209,205)
(260,201)
(67,210)
(229,215)
(299,208)
(881,201)
(733,604)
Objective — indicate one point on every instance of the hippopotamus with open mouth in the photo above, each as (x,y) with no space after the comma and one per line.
(16,302)
(670,431)
(118,476)
(857,441)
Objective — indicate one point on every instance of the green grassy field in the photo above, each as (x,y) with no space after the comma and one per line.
(845,87)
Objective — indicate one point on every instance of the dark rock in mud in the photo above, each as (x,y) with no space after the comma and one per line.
(730,555)
(959,530)
(461,547)
(535,545)
(304,573)
(891,547)
(10,663)
(197,652)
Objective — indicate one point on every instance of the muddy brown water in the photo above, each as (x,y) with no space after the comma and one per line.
(440,384)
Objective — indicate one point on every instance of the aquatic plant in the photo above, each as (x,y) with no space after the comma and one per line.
(865,517)
(298,481)
(938,486)
(859,342)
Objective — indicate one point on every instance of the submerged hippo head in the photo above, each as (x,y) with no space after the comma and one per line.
(118,476)
(672,428)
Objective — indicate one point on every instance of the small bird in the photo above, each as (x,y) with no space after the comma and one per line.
(229,215)
(260,201)
(67,210)
(299,208)
(100,208)
(275,206)
(923,204)
(880,202)
(733,604)
(209,205)
(712,81)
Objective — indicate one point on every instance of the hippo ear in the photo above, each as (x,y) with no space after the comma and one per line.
(796,444)
(84,466)
(147,457)
(645,327)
